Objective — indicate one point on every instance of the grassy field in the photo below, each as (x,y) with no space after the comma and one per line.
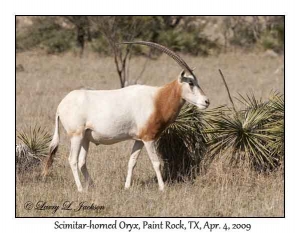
(219,192)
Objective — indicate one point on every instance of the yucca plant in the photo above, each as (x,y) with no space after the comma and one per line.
(32,148)
(240,138)
(276,127)
(253,135)
(182,146)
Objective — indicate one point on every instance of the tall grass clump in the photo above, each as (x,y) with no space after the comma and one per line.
(32,147)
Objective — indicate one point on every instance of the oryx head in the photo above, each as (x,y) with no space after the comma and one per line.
(191,90)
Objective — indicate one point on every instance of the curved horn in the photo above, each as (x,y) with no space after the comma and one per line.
(167,51)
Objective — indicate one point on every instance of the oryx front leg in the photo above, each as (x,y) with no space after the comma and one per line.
(150,147)
(136,150)
(73,159)
(82,163)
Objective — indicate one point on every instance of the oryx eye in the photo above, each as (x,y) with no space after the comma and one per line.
(191,83)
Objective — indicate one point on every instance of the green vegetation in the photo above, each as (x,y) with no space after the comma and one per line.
(186,34)
(255,31)
(33,146)
(182,145)
(46,33)
(252,136)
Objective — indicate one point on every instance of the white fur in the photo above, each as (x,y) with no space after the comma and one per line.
(115,115)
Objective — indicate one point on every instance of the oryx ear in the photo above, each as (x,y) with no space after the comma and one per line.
(182,73)
(181,76)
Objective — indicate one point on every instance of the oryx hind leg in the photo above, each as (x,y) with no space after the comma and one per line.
(136,150)
(76,142)
(152,152)
(82,162)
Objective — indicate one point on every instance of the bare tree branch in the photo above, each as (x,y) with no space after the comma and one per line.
(116,30)
(228,92)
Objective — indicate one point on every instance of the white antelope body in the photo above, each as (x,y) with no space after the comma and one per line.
(137,112)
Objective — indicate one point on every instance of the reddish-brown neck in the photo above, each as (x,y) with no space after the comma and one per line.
(167,104)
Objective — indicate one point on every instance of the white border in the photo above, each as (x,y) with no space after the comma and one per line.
(108,7)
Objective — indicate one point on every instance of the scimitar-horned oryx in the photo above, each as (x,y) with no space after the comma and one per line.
(136,112)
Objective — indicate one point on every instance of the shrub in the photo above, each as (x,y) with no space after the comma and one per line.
(60,41)
(250,31)
(32,148)
(275,127)
(253,136)
(61,33)
(181,145)
(101,45)
(273,36)
(46,33)
(187,42)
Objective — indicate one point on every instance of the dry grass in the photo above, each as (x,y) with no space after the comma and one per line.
(219,192)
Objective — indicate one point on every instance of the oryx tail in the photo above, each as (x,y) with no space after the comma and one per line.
(53,147)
